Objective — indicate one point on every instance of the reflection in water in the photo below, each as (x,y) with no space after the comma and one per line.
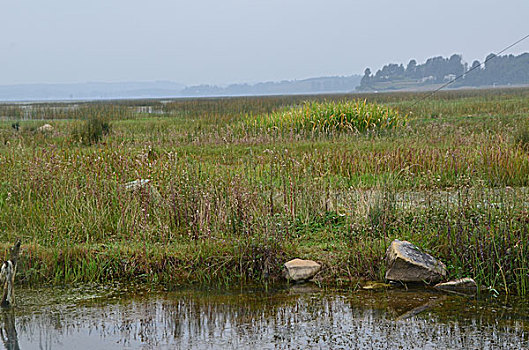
(8,332)
(257,319)
(421,308)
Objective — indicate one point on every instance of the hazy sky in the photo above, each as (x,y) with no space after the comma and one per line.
(224,41)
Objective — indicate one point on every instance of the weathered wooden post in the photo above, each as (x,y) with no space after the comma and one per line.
(7,276)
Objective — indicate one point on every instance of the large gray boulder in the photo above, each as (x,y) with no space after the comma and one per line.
(407,263)
(298,270)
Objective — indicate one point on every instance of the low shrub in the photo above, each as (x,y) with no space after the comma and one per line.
(92,130)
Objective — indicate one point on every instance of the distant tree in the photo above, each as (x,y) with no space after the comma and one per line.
(433,67)
(455,65)
(390,72)
(490,57)
(366,79)
(501,70)
(411,69)
(491,71)
(473,76)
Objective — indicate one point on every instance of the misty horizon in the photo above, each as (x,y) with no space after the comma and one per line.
(236,41)
(166,81)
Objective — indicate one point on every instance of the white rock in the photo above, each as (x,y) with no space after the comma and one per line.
(137,184)
(300,270)
(464,285)
(143,185)
(45,128)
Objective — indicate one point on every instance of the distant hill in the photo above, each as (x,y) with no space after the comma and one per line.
(161,89)
(496,71)
(305,86)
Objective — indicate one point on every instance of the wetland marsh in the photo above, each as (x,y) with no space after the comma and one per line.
(230,199)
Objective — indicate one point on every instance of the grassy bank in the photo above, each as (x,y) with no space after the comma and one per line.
(231,201)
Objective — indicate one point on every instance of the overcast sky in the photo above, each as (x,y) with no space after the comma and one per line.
(225,41)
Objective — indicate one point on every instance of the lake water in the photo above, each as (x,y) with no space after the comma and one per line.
(298,317)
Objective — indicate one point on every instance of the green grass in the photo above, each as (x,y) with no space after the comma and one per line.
(236,201)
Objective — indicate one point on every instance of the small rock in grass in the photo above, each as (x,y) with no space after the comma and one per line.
(137,185)
(298,270)
(45,128)
(463,285)
(407,263)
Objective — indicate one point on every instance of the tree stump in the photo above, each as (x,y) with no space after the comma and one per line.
(7,277)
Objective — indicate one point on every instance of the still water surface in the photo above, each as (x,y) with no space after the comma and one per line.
(299,317)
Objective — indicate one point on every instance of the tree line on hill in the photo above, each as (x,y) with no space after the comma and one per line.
(495,70)
(167,89)
(305,86)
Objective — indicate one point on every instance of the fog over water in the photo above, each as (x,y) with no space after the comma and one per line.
(220,42)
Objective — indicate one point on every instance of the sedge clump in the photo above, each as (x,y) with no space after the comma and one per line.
(331,116)
(92,130)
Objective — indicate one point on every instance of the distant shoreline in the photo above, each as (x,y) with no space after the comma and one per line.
(81,92)
(308,94)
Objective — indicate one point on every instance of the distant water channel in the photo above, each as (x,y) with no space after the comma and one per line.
(299,317)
